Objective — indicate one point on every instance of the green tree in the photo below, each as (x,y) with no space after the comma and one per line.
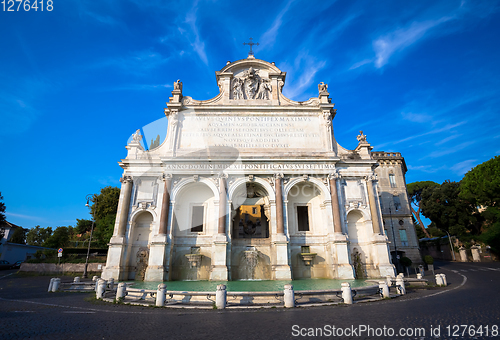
(83,226)
(481,187)
(415,191)
(60,238)
(104,210)
(448,212)
(19,236)
(37,236)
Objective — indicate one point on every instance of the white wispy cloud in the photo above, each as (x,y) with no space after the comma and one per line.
(448,151)
(309,66)
(416,117)
(269,36)
(194,36)
(447,139)
(28,217)
(398,40)
(463,167)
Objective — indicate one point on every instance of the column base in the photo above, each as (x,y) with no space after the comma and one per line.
(344,271)
(218,273)
(387,269)
(282,272)
(155,273)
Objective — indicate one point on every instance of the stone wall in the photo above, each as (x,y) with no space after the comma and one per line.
(46,268)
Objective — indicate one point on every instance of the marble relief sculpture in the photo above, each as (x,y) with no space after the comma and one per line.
(251,86)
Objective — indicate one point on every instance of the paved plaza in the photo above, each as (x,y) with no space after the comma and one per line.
(27,311)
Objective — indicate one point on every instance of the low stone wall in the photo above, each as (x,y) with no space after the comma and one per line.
(47,268)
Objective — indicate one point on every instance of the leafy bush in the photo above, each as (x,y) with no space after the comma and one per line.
(405,261)
(428,259)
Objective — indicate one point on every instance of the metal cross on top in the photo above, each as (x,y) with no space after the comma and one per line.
(251,43)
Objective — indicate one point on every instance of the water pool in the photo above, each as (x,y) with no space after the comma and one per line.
(252,286)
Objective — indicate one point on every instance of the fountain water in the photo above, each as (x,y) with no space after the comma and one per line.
(251,257)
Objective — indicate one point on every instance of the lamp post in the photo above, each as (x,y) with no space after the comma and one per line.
(89,199)
(451,245)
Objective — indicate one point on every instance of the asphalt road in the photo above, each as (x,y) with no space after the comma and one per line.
(471,299)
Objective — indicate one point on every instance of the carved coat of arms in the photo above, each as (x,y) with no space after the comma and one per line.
(251,86)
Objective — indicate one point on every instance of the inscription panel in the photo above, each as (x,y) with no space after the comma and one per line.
(251,132)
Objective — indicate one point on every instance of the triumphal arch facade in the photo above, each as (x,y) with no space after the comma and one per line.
(249,185)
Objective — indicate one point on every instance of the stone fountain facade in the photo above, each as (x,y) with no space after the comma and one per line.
(248,180)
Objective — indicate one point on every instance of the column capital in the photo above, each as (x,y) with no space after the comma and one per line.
(334,175)
(278,175)
(126,179)
(166,177)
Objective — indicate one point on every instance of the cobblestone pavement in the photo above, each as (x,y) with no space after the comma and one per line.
(472,298)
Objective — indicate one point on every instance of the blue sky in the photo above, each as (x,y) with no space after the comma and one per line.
(421,78)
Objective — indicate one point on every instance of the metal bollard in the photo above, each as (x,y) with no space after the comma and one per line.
(385,289)
(400,283)
(289,296)
(101,289)
(111,284)
(50,284)
(220,297)
(346,293)
(389,280)
(56,284)
(160,295)
(439,280)
(419,276)
(121,291)
(445,283)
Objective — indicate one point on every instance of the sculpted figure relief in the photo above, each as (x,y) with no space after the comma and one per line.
(322,87)
(265,89)
(178,85)
(251,86)
(238,88)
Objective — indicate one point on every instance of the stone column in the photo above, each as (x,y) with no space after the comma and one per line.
(280,228)
(373,206)
(335,204)
(124,204)
(222,205)
(165,206)
(281,268)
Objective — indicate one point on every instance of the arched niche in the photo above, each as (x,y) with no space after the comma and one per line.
(304,212)
(138,241)
(250,210)
(194,211)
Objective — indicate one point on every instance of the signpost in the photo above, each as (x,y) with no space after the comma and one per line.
(59,254)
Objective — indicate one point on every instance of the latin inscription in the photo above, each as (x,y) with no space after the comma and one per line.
(251,166)
(250,132)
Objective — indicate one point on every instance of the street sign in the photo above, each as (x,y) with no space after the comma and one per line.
(59,254)
(59,250)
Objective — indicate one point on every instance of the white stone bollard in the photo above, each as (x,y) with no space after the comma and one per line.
(463,254)
(289,296)
(50,284)
(101,289)
(476,257)
(76,279)
(385,289)
(121,291)
(439,280)
(389,280)
(400,284)
(160,295)
(56,284)
(346,293)
(220,297)
(419,276)
(111,283)
(401,275)
(443,277)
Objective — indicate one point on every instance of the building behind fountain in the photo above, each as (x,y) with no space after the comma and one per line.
(253,185)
